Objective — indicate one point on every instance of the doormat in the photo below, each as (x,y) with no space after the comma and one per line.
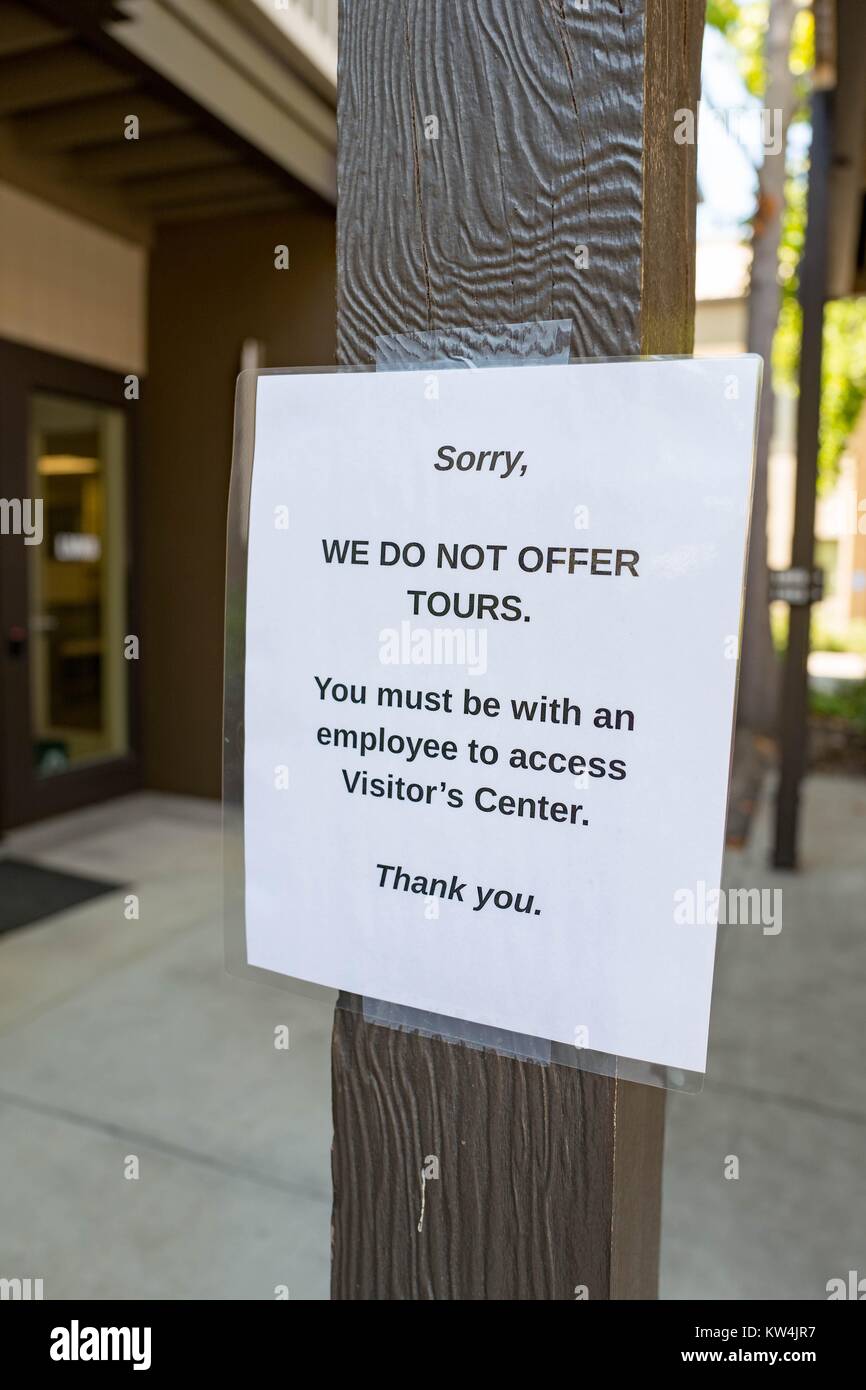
(29,892)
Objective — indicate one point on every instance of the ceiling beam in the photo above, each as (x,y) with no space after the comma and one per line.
(22,31)
(160,154)
(235,180)
(66,73)
(203,56)
(47,177)
(78,124)
(231,207)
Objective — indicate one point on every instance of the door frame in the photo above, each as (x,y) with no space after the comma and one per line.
(24,797)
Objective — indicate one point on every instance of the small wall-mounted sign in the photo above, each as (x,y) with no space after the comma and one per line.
(798,587)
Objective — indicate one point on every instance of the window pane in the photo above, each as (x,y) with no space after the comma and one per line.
(77,579)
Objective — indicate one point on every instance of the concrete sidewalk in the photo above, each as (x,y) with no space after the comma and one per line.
(127,1038)
(122,1038)
(786,1086)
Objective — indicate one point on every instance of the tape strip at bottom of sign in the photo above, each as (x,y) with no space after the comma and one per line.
(516,830)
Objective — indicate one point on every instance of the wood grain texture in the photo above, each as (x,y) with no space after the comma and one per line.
(511,1139)
(555,133)
(671,83)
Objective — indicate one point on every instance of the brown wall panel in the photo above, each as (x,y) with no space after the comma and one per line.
(212,285)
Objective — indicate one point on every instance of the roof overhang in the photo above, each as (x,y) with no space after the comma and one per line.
(252,72)
(224,125)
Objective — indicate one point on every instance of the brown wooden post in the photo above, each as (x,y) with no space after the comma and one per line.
(794,713)
(548,185)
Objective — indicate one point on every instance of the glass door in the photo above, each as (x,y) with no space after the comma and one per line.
(69,647)
(77,584)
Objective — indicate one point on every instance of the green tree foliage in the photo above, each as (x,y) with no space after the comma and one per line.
(745,27)
(844,362)
(843,388)
(723,14)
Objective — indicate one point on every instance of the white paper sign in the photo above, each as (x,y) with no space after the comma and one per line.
(491,658)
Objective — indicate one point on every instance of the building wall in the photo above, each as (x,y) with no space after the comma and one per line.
(213,285)
(841,520)
(69,287)
(840,523)
(720,326)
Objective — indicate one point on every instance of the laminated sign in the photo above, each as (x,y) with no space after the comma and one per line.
(492,633)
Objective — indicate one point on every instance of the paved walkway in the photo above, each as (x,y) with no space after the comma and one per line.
(786,1087)
(124,1039)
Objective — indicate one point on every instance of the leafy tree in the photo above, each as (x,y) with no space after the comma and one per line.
(763,37)
(723,14)
(843,385)
(746,27)
(844,375)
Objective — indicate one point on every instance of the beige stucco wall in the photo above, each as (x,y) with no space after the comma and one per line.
(69,287)
(720,326)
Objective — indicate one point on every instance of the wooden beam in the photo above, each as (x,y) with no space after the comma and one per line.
(232,181)
(22,31)
(794,704)
(244,206)
(555,133)
(133,159)
(205,55)
(66,73)
(76,125)
(48,177)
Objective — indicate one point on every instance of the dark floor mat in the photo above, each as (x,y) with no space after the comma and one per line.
(28,892)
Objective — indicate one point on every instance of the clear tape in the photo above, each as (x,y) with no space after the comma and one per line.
(503,345)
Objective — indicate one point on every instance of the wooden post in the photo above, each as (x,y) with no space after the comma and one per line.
(503,161)
(794,720)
